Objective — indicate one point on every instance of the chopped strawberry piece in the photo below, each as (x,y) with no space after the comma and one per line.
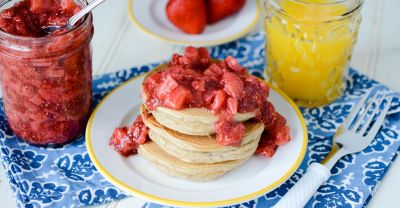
(126,140)
(267,115)
(177,98)
(282,134)
(122,143)
(213,70)
(191,53)
(233,85)
(40,4)
(266,146)
(196,56)
(189,16)
(68,5)
(209,96)
(219,9)
(199,85)
(204,56)
(280,120)
(166,87)
(234,65)
(229,132)
(219,101)
(153,79)
(138,131)
(232,104)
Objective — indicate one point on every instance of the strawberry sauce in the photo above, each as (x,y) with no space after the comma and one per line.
(46,79)
(194,80)
(28,17)
(126,140)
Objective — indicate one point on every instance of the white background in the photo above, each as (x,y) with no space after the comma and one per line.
(118,44)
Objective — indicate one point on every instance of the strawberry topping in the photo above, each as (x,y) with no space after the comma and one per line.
(28,17)
(126,140)
(188,16)
(193,80)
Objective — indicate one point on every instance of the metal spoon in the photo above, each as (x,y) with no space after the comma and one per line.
(74,19)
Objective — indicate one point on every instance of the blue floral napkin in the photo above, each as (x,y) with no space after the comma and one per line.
(65,177)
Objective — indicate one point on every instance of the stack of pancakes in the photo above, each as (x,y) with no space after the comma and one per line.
(183,144)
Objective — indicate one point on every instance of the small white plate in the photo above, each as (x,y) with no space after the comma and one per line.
(136,176)
(150,16)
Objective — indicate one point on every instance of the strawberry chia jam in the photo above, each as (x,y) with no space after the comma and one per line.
(193,80)
(45,78)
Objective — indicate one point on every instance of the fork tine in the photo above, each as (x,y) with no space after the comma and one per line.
(359,120)
(379,121)
(356,109)
(371,115)
(2,3)
(370,106)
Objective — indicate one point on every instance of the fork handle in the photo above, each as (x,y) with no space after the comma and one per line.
(304,189)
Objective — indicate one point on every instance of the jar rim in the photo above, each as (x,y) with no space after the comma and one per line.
(86,18)
(357,6)
(307,2)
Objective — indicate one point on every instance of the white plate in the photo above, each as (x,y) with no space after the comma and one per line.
(136,176)
(150,16)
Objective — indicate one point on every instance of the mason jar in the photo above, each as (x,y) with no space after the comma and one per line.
(46,83)
(309,45)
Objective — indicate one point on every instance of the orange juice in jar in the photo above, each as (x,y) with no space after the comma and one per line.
(309,45)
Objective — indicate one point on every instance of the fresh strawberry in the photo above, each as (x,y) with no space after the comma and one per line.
(189,16)
(219,9)
(233,85)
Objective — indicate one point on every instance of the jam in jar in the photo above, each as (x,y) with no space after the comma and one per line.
(46,79)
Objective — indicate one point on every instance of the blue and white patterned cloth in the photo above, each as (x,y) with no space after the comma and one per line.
(65,176)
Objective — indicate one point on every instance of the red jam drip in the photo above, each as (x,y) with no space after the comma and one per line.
(28,17)
(275,133)
(126,140)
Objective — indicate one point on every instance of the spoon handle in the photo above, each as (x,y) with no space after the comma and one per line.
(74,19)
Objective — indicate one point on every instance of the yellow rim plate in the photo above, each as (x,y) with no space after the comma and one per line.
(98,156)
(149,16)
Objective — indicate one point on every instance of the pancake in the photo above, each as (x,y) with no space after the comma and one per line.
(193,121)
(190,121)
(189,171)
(201,149)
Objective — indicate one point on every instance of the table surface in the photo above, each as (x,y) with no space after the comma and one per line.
(118,44)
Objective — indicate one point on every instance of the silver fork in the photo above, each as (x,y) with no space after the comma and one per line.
(354,135)
(4,2)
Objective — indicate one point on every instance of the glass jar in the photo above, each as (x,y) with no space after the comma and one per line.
(47,83)
(309,45)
